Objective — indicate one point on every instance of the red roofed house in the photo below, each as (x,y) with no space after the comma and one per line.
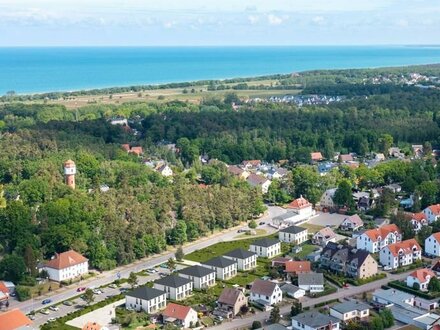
(353,223)
(135,150)
(420,277)
(432,245)
(418,220)
(376,239)
(293,268)
(180,315)
(400,254)
(432,213)
(14,319)
(316,156)
(251,164)
(345,158)
(93,326)
(301,206)
(4,292)
(67,265)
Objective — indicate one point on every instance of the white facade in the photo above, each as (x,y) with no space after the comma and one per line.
(430,215)
(267,252)
(326,200)
(411,280)
(274,298)
(166,171)
(403,258)
(312,287)
(65,274)
(297,238)
(149,306)
(347,316)
(265,186)
(201,282)
(224,273)
(246,263)
(189,321)
(432,245)
(178,293)
(364,242)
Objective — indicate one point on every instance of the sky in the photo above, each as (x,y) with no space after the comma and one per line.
(220,22)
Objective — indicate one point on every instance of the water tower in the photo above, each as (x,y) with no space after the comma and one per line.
(69,173)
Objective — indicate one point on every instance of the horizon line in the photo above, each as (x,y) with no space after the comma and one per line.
(226,45)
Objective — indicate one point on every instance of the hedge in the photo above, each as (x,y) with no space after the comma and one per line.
(401,286)
(362,281)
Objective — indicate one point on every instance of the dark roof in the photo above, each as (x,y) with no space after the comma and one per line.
(265,288)
(219,262)
(196,271)
(173,281)
(145,293)
(310,279)
(229,296)
(349,306)
(293,230)
(344,253)
(240,254)
(315,319)
(265,242)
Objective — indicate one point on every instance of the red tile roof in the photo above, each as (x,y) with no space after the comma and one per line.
(435,209)
(13,319)
(316,156)
(423,275)
(66,259)
(436,236)
(346,158)
(176,311)
(405,246)
(299,203)
(382,232)
(418,216)
(92,326)
(254,162)
(136,150)
(298,267)
(3,288)
(69,163)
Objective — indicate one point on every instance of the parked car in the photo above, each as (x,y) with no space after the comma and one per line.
(44,311)
(54,308)
(387,268)
(162,274)
(122,290)
(97,291)
(67,303)
(31,317)
(46,301)
(262,223)
(51,319)
(113,286)
(81,289)
(151,270)
(164,266)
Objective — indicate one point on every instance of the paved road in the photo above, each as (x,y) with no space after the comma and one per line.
(105,278)
(238,324)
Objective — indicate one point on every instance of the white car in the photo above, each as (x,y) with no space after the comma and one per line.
(113,286)
(51,319)
(54,308)
(44,311)
(97,291)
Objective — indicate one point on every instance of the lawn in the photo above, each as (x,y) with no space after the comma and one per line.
(44,288)
(207,321)
(311,227)
(258,232)
(306,250)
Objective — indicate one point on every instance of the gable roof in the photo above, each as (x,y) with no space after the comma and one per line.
(265,288)
(349,306)
(435,209)
(346,158)
(173,281)
(219,262)
(240,254)
(229,296)
(293,230)
(254,162)
(299,203)
(65,260)
(298,267)
(235,170)
(265,242)
(344,253)
(176,311)
(197,271)
(404,246)
(355,219)
(436,236)
(310,279)
(422,275)
(145,293)
(92,326)
(382,232)
(316,156)
(326,232)
(315,319)
(256,180)
(13,319)
(418,216)
(289,288)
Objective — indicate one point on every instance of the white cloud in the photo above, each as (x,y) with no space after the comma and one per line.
(276,20)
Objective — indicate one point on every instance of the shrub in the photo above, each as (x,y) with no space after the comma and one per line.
(256,325)
(23,293)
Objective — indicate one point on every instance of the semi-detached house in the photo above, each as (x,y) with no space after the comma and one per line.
(147,299)
(266,247)
(176,287)
(224,268)
(374,240)
(202,277)
(400,254)
(246,260)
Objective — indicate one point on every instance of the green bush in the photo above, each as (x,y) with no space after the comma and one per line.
(23,293)
(402,286)
(362,281)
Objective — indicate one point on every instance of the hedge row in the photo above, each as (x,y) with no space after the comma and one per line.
(402,287)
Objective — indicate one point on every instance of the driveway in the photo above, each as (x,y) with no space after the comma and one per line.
(331,219)
(103,316)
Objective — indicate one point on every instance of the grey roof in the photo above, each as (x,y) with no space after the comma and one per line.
(289,288)
(219,262)
(310,279)
(265,242)
(145,293)
(173,281)
(344,253)
(293,230)
(315,319)
(196,271)
(392,296)
(240,254)
(349,306)
(275,326)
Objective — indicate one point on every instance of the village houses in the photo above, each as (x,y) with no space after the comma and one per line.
(259,181)
(350,310)
(324,236)
(293,234)
(314,320)
(352,223)
(418,220)
(230,302)
(311,282)
(419,279)
(225,268)
(376,239)
(183,316)
(266,293)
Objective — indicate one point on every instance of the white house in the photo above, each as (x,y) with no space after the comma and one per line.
(182,316)
(165,170)
(400,254)
(323,236)
(266,247)
(256,180)
(147,299)
(315,321)
(119,121)
(301,206)
(432,213)
(225,268)
(311,282)
(418,220)
(420,278)
(202,277)
(432,245)
(67,265)
(293,234)
(245,260)
(176,287)
(353,223)
(265,292)
(326,201)
(292,291)
(376,239)
(350,310)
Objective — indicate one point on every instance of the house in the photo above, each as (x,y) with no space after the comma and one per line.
(292,291)
(146,299)
(251,164)
(65,266)
(432,245)
(259,181)
(432,213)
(4,292)
(238,172)
(293,234)
(165,170)
(395,152)
(394,187)
(281,261)
(425,304)
(376,239)
(202,277)
(314,321)
(119,121)
(176,287)
(301,206)
(345,158)
(385,298)
(224,268)
(293,268)
(380,157)
(15,319)
(326,201)
(346,260)
(400,254)
(352,223)
(350,310)
(289,218)
(266,293)
(417,150)
(311,282)
(325,167)
(418,220)
(134,150)
(93,326)
(266,247)
(420,278)
(231,300)
(323,236)
(276,173)
(316,156)
(183,316)
(245,260)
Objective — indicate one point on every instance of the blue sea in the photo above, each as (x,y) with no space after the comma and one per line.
(36,70)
